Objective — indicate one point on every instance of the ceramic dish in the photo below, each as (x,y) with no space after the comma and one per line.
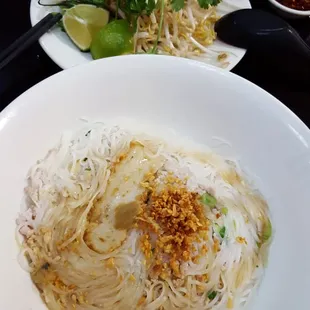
(66,55)
(200,102)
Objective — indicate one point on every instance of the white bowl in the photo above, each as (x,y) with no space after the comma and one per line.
(196,100)
(288,12)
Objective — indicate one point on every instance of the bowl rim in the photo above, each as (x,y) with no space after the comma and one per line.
(289,10)
(281,109)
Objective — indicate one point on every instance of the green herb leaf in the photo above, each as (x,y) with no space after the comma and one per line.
(87,169)
(177,5)
(150,6)
(138,6)
(61,25)
(135,8)
(212,295)
(206,3)
(208,200)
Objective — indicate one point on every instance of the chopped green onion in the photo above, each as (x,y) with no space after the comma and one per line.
(222,231)
(208,200)
(224,211)
(212,295)
(235,225)
(267,231)
(87,169)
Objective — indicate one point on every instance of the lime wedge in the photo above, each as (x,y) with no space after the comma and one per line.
(116,38)
(82,22)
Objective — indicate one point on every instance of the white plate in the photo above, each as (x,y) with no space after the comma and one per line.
(65,54)
(199,101)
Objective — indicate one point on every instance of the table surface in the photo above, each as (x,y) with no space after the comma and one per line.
(34,65)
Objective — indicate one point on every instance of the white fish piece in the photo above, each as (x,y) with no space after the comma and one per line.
(122,189)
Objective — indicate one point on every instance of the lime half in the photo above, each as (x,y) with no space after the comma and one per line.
(82,22)
(116,38)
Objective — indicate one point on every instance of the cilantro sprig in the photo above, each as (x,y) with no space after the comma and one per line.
(138,6)
(135,8)
(207,3)
(177,5)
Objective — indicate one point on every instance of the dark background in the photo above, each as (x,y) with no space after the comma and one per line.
(292,88)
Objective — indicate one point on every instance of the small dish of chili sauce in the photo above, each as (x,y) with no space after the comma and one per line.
(292,8)
(302,5)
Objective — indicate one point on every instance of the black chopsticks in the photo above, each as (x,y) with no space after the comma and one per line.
(31,36)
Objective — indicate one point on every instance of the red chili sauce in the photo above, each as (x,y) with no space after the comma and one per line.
(302,5)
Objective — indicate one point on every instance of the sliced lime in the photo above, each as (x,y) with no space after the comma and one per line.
(82,22)
(116,38)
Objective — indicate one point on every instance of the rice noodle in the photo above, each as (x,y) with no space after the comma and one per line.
(73,185)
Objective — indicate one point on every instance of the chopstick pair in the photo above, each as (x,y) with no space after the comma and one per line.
(27,39)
